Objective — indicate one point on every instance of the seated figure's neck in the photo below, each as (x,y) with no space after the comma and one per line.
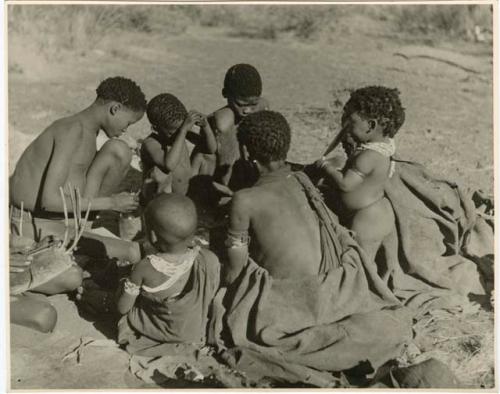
(273,170)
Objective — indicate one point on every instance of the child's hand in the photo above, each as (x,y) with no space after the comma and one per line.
(125,202)
(319,164)
(193,118)
(336,162)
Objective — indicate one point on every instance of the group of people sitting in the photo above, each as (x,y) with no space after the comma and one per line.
(304,277)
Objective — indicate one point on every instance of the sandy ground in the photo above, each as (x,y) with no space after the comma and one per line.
(448,128)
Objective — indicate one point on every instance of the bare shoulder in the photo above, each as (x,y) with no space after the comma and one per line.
(243,196)
(244,200)
(369,159)
(151,142)
(141,270)
(69,128)
(224,119)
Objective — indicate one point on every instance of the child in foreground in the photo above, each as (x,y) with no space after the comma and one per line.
(167,295)
(242,90)
(164,153)
(371,118)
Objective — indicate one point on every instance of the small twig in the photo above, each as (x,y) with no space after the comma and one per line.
(66,221)
(34,252)
(21,219)
(82,229)
(73,202)
(457,337)
(78,205)
(446,61)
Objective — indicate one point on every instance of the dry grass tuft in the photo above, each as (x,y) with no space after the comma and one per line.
(461,339)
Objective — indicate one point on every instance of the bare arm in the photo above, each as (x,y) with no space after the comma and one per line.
(237,239)
(129,290)
(173,156)
(65,148)
(209,143)
(353,175)
(156,152)
(205,140)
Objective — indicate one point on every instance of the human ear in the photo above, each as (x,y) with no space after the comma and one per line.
(114,108)
(372,123)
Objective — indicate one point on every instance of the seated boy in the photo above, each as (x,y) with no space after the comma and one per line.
(164,153)
(242,89)
(65,154)
(167,295)
(371,118)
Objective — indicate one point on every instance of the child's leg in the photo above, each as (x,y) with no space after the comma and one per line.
(65,282)
(108,169)
(95,245)
(30,311)
(372,225)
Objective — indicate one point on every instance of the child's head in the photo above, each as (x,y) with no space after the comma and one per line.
(173,219)
(166,113)
(125,104)
(242,88)
(373,110)
(266,136)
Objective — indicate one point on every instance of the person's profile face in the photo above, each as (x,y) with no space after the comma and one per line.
(358,128)
(120,118)
(244,106)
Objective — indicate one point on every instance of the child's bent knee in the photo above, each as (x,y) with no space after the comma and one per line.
(45,319)
(119,149)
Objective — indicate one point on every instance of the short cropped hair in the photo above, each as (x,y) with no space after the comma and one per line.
(242,80)
(172,214)
(124,91)
(165,110)
(377,102)
(266,135)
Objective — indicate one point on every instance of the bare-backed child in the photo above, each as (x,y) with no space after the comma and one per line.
(164,153)
(167,295)
(371,118)
(242,90)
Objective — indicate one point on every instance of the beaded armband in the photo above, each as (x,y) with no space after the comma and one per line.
(237,239)
(131,288)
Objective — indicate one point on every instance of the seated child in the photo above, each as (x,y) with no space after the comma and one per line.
(370,119)
(242,89)
(164,153)
(65,154)
(167,295)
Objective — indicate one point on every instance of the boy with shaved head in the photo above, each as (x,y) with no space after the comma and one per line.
(167,295)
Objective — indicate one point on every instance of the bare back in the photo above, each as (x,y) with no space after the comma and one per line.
(65,139)
(284,229)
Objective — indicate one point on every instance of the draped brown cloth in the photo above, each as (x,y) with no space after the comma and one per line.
(442,249)
(301,330)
